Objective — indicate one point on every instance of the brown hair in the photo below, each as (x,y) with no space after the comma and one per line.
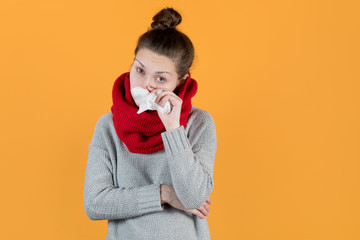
(166,40)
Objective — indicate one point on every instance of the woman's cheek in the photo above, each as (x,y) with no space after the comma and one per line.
(134,82)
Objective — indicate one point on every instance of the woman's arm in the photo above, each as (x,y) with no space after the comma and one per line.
(168,195)
(192,168)
(103,200)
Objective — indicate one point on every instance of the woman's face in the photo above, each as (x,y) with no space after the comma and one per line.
(153,71)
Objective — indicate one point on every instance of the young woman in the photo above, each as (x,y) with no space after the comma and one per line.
(150,174)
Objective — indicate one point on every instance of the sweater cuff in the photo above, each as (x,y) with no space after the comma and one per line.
(149,199)
(176,141)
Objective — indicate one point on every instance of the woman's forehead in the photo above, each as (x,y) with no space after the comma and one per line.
(150,59)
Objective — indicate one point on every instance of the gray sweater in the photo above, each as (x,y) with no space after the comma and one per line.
(124,187)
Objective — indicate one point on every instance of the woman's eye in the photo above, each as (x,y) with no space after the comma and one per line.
(161,79)
(139,70)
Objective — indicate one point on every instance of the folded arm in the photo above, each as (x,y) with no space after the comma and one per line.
(191,166)
(103,200)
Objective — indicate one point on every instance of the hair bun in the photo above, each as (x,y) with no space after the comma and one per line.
(166,18)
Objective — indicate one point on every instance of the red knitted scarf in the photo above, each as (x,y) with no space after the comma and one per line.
(141,133)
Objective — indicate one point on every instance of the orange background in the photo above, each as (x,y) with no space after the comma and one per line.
(280,78)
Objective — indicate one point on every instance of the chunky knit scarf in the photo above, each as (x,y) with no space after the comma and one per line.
(141,133)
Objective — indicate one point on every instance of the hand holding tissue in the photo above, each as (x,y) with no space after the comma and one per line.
(146,100)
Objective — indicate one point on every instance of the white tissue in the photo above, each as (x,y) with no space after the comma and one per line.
(146,101)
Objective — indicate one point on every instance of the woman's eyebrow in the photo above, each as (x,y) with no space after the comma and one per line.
(140,63)
(163,72)
(159,72)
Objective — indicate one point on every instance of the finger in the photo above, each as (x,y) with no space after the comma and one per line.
(208,201)
(159,97)
(164,93)
(197,213)
(162,100)
(154,91)
(207,207)
(173,100)
(203,210)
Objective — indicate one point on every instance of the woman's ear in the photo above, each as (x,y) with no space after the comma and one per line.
(182,80)
(185,77)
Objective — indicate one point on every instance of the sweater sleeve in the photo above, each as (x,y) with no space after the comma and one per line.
(103,200)
(192,168)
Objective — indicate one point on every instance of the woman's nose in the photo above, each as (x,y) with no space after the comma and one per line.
(149,85)
(149,88)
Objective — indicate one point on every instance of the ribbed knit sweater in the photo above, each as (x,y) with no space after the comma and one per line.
(124,187)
